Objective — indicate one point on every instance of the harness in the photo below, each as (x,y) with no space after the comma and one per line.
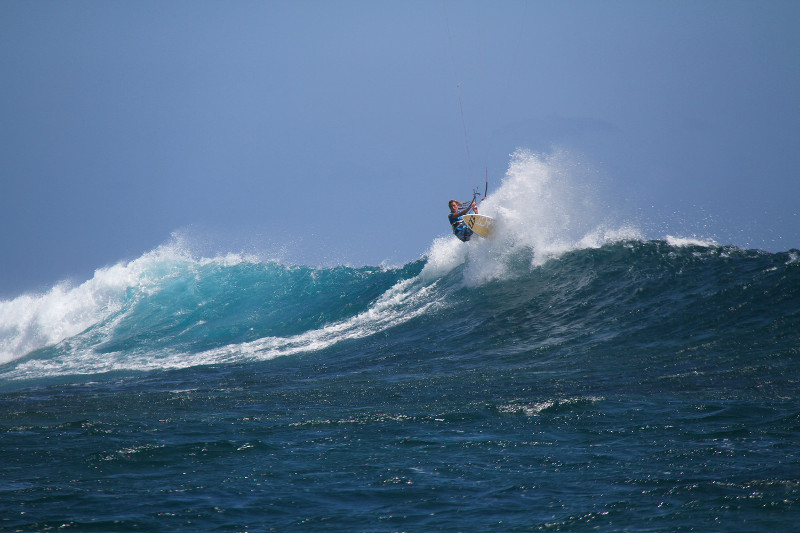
(456,222)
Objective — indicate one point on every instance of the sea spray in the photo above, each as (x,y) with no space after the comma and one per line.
(545,206)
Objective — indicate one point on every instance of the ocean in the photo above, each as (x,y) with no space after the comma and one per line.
(579,377)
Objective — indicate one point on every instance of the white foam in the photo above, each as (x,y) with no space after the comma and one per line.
(30,322)
(682,242)
(536,408)
(445,254)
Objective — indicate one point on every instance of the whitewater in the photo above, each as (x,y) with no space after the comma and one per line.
(568,374)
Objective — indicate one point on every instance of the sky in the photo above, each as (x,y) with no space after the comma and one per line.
(334,132)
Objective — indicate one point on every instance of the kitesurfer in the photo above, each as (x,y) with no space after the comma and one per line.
(460,229)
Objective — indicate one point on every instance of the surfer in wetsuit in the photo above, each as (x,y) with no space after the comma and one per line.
(460,229)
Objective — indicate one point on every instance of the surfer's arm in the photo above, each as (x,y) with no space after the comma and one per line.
(467,210)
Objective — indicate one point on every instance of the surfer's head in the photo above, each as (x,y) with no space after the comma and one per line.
(453,205)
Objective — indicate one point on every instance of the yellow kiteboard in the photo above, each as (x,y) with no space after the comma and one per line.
(480,224)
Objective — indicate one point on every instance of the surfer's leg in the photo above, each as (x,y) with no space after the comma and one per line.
(464,234)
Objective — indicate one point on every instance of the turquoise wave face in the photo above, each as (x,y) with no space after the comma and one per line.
(171,311)
(214,305)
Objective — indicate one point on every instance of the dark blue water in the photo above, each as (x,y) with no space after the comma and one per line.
(635,386)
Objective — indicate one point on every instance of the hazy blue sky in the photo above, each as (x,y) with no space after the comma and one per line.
(254,125)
